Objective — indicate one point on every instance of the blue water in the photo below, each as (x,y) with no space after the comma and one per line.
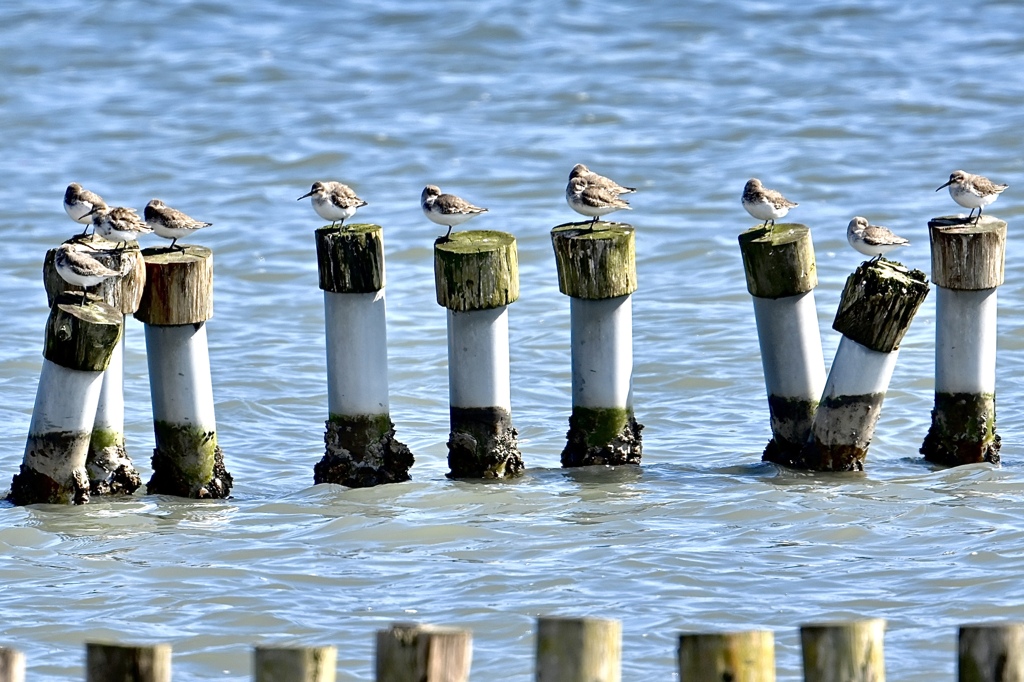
(230,111)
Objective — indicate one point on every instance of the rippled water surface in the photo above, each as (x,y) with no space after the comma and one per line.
(230,110)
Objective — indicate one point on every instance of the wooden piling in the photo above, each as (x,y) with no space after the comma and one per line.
(12,665)
(877,306)
(781,275)
(79,341)
(175,305)
(122,663)
(423,653)
(476,277)
(361,448)
(597,270)
(968,262)
(579,650)
(844,652)
(110,468)
(735,656)
(991,653)
(294,664)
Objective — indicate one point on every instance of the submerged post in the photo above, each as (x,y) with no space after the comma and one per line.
(110,469)
(736,656)
(361,448)
(12,665)
(117,662)
(476,276)
(967,267)
(423,653)
(579,650)
(294,664)
(176,303)
(597,270)
(844,652)
(781,275)
(878,304)
(80,338)
(991,653)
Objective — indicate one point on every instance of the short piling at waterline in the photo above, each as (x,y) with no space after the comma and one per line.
(739,656)
(294,664)
(991,653)
(968,261)
(597,270)
(851,651)
(176,303)
(423,653)
(361,448)
(12,665)
(110,469)
(579,650)
(781,275)
(117,662)
(878,304)
(476,278)
(79,340)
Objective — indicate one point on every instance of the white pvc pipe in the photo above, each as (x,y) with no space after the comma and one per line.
(601,333)
(791,355)
(965,341)
(179,375)
(478,359)
(858,370)
(110,410)
(65,403)
(357,353)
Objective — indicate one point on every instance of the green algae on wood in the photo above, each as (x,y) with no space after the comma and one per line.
(963,430)
(187,462)
(81,337)
(483,444)
(608,436)
(179,286)
(476,270)
(778,261)
(362,451)
(878,304)
(595,263)
(350,259)
(967,256)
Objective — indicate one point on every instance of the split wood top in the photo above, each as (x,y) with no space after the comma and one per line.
(879,301)
(81,337)
(595,263)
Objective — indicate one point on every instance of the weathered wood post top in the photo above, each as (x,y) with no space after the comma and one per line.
(968,256)
(350,259)
(179,286)
(476,270)
(778,261)
(595,264)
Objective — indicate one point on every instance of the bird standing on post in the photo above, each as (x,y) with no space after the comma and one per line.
(447,209)
(170,223)
(972,191)
(595,180)
(593,200)
(872,240)
(333,201)
(765,204)
(79,268)
(79,203)
(119,224)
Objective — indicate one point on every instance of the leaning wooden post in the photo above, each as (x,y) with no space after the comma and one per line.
(877,306)
(120,663)
(361,448)
(476,277)
(110,469)
(736,656)
(991,653)
(79,342)
(12,665)
(844,652)
(294,664)
(579,650)
(423,653)
(781,276)
(967,267)
(597,270)
(176,303)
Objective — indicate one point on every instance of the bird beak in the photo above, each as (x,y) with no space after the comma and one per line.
(94,209)
(307,194)
(946,185)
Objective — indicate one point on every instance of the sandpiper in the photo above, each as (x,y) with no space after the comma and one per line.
(447,209)
(77,267)
(119,224)
(590,200)
(78,202)
(333,201)
(170,223)
(872,240)
(972,191)
(765,204)
(595,180)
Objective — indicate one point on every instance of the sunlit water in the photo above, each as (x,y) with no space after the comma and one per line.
(229,111)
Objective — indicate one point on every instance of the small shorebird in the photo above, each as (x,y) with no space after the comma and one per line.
(595,180)
(79,268)
(447,209)
(972,191)
(591,200)
(119,224)
(872,240)
(765,204)
(170,223)
(78,202)
(333,201)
